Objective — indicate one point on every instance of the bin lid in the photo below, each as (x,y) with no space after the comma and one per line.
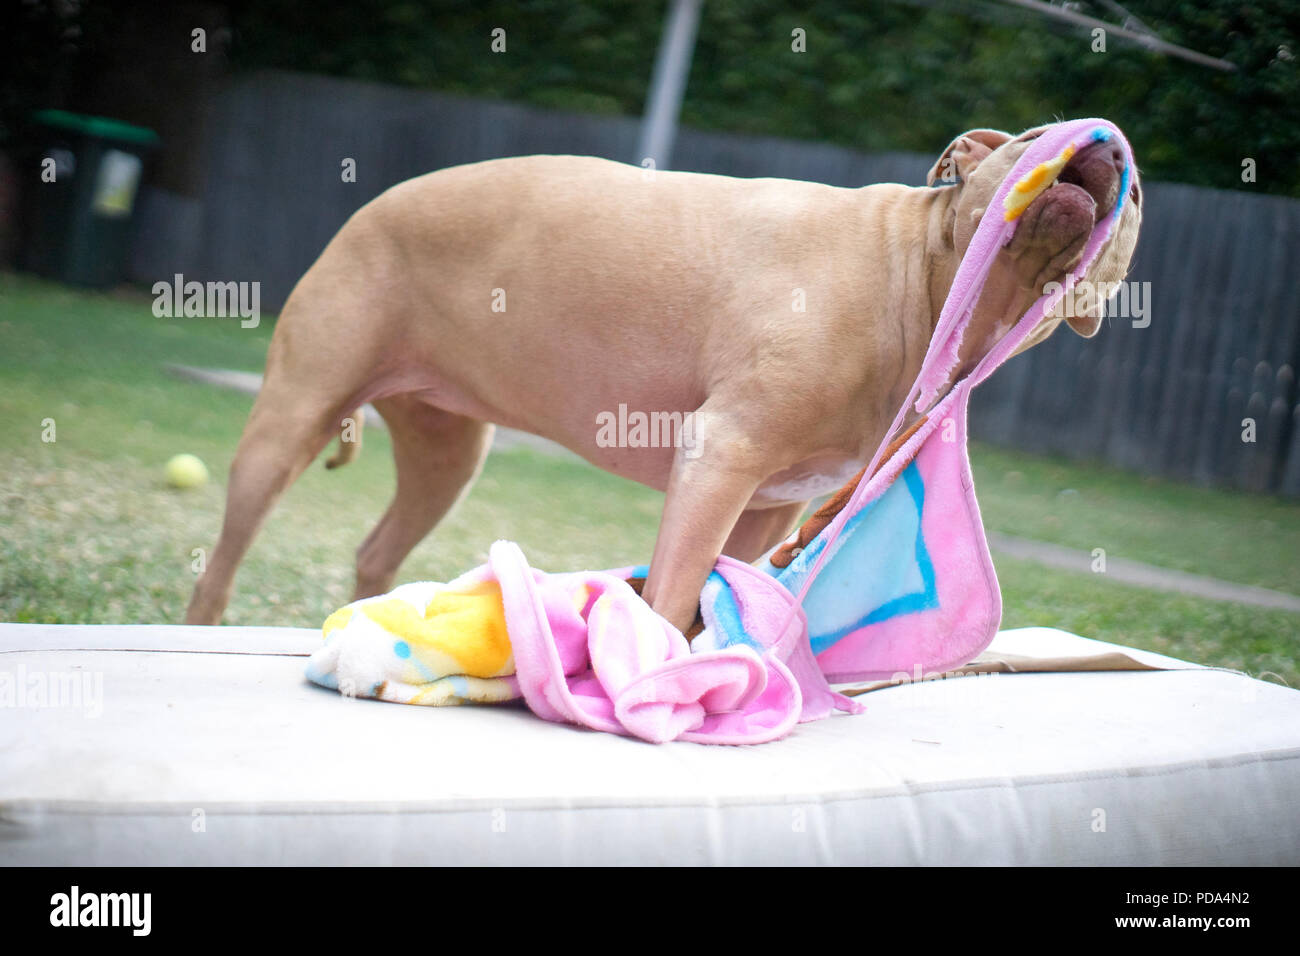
(99,126)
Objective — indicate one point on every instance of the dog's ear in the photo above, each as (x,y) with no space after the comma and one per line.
(1086,325)
(1086,311)
(965,153)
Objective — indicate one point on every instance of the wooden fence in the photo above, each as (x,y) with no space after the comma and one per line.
(1219,271)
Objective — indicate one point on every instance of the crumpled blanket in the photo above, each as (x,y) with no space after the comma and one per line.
(583,648)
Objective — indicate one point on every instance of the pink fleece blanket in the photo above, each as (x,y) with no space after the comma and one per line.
(608,662)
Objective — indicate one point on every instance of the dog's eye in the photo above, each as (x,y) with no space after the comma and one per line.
(1135,192)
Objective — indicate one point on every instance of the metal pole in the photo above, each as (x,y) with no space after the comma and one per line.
(668,84)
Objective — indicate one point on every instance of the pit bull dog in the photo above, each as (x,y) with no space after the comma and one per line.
(544,292)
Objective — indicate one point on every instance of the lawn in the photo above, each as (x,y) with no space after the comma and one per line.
(89,532)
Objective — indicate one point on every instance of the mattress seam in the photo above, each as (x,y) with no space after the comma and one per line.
(456,805)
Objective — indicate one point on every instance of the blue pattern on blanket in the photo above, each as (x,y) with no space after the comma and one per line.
(879,567)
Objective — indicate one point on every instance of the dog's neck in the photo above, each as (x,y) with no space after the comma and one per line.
(941,256)
(1003,300)
(929,224)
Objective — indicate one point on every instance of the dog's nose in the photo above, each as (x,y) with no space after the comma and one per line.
(1098,169)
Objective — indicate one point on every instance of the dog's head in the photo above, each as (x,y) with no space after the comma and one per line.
(1052,230)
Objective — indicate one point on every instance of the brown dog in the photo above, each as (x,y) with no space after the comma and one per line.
(545,292)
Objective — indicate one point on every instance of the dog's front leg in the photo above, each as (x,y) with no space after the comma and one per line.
(709,487)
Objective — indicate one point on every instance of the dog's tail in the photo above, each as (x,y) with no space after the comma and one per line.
(349,439)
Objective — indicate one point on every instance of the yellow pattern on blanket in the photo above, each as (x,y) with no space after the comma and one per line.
(423,643)
(1034,183)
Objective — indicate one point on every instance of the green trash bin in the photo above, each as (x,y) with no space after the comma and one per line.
(82,215)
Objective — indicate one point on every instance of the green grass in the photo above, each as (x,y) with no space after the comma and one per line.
(1245,638)
(91,534)
(1235,536)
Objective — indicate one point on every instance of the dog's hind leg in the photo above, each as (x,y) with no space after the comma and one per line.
(288,427)
(438,454)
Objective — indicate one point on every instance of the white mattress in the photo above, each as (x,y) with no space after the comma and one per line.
(207,746)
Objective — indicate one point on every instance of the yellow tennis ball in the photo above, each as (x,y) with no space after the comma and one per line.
(186,471)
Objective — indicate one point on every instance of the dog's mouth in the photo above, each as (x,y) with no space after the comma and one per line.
(1096,171)
(1054,226)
